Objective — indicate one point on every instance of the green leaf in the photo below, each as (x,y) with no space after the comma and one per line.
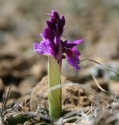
(18,119)
(55,96)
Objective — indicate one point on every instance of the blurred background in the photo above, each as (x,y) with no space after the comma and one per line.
(21,22)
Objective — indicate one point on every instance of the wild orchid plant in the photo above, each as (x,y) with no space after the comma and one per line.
(57,49)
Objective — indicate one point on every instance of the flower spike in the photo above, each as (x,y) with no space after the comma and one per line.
(52,45)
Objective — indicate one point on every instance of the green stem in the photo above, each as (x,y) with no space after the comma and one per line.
(55,96)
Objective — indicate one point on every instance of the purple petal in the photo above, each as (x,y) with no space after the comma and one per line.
(48,34)
(78,41)
(37,48)
(73,57)
(69,44)
(54,14)
(74,61)
(72,52)
(51,25)
(63,20)
(44,48)
(75,52)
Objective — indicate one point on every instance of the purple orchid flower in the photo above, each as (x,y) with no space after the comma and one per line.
(52,45)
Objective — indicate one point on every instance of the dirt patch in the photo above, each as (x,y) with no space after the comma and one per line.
(73,96)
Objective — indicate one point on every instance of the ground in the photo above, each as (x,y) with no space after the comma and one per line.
(26,72)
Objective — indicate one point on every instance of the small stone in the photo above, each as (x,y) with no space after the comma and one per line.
(26,86)
(114,87)
(38,71)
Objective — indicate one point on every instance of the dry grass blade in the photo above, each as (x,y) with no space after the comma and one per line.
(69,114)
(4,109)
(5,98)
(98,84)
(91,109)
(4,103)
(69,85)
(100,65)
